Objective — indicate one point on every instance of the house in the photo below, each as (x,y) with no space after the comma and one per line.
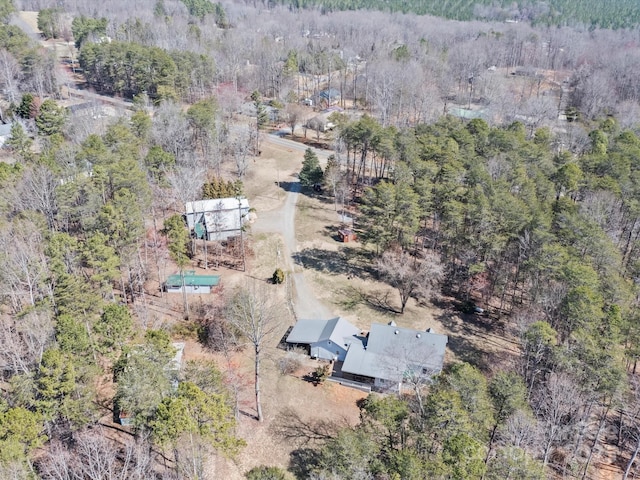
(385,359)
(325,339)
(218,218)
(392,355)
(329,97)
(5,132)
(192,283)
(321,121)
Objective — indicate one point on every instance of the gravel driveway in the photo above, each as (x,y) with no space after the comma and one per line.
(282,221)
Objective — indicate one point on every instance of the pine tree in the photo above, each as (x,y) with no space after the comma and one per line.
(311,173)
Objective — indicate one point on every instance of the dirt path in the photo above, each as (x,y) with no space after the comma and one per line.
(282,221)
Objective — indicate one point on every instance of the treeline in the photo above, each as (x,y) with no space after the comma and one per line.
(594,14)
(128,69)
(464,428)
(75,216)
(403,80)
(25,66)
(523,227)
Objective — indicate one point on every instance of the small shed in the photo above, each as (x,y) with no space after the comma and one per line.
(347,235)
(192,283)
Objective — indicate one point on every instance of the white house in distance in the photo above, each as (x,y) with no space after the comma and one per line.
(217,218)
(385,359)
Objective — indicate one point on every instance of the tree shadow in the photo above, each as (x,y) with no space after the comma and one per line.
(292,428)
(378,300)
(302,461)
(466,327)
(346,261)
(289,186)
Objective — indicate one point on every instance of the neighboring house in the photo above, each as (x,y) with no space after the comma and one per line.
(192,283)
(172,369)
(218,218)
(329,97)
(326,339)
(347,235)
(321,122)
(388,357)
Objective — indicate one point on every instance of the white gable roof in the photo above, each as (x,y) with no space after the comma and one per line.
(215,204)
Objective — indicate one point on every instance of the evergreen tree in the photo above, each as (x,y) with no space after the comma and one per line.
(311,173)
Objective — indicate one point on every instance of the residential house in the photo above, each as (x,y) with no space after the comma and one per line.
(383,360)
(329,97)
(218,218)
(172,371)
(325,339)
(392,356)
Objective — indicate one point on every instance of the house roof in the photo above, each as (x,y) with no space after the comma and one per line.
(215,204)
(5,129)
(329,94)
(391,352)
(338,330)
(193,280)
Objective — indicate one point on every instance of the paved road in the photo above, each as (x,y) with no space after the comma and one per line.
(65,77)
(297,146)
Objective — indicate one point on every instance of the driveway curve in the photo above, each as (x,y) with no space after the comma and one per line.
(282,221)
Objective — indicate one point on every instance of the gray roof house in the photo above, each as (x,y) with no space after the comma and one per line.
(384,360)
(393,355)
(329,96)
(218,218)
(327,339)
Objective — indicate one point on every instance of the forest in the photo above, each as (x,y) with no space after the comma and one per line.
(615,14)
(495,162)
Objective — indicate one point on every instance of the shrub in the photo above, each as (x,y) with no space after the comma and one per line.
(278,276)
(322,373)
(266,473)
(289,363)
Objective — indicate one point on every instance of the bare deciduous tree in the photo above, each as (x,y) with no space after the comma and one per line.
(9,75)
(410,276)
(293,115)
(254,312)
(92,455)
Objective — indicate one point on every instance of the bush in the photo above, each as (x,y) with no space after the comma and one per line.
(266,473)
(289,363)
(322,373)
(278,277)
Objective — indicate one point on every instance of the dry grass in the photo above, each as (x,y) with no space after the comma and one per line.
(341,277)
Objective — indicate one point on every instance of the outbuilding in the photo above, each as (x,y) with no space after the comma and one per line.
(191,282)
(347,235)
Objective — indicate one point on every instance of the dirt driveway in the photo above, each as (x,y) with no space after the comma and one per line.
(282,221)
